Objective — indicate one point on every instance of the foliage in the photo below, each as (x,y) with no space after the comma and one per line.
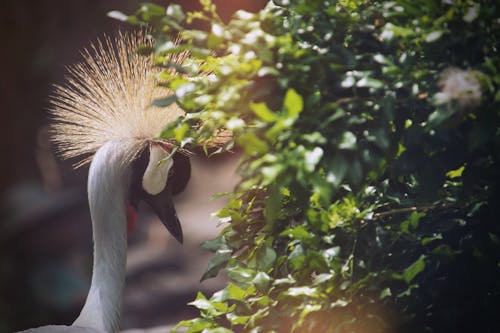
(371,146)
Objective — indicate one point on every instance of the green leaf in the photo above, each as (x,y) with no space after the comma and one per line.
(263,112)
(261,281)
(439,118)
(235,293)
(472,12)
(308,309)
(299,232)
(271,172)
(117,15)
(251,144)
(163,102)
(284,281)
(385,293)
(401,150)
(415,218)
(218,330)
(427,240)
(180,132)
(338,169)
(195,325)
(293,103)
(268,71)
(407,292)
(331,253)
(201,302)
(211,307)
(414,269)
(214,244)
(369,82)
(240,274)
(433,36)
(445,250)
(265,258)
(218,261)
(314,138)
(303,291)
(412,222)
(455,173)
(348,141)
(168,131)
(323,277)
(297,258)
(312,158)
(235,319)
(170,47)
(183,89)
(273,204)
(214,41)
(152,9)
(322,187)
(390,30)
(175,11)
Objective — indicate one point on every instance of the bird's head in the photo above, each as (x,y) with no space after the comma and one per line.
(109,98)
(158,173)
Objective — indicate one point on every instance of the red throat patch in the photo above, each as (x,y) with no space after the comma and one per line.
(131,218)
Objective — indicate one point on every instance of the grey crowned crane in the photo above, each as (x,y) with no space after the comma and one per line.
(103,115)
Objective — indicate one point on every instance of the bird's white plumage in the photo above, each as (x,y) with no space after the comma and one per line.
(156,173)
(61,329)
(108,184)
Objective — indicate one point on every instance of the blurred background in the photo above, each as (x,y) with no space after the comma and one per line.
(45,228)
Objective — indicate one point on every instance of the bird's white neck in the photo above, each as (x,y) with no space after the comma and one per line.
(108,184)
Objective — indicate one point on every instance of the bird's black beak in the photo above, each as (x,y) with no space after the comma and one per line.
(162,203)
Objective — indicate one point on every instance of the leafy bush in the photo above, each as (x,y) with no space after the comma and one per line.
(371,146)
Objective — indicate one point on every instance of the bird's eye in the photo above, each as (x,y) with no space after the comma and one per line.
(156,174)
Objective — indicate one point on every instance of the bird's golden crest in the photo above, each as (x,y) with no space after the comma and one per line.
(108,96)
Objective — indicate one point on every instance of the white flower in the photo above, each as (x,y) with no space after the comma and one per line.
(461,86)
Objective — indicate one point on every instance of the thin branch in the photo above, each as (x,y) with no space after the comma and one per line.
(403,210)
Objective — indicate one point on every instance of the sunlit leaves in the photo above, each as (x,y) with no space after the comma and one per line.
(262,111)
(253,145)
(299,232)
(359,187)
(456,173)
(175,11)
(293,103)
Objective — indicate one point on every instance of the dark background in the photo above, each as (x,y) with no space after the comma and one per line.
(45,236)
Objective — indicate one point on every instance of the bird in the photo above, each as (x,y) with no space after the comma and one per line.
(103,115)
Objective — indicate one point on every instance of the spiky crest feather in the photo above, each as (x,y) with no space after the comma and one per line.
(108,97)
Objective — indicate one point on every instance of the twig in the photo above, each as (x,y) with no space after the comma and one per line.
(403,210)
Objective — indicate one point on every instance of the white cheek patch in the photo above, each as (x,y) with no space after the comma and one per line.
(155,177)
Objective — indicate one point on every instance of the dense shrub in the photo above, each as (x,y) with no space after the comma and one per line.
(371,146)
